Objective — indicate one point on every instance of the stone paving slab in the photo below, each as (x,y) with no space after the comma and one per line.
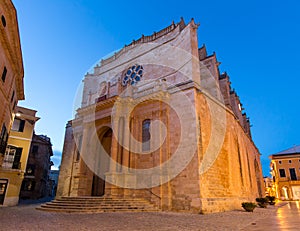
(287,217)
(26,217)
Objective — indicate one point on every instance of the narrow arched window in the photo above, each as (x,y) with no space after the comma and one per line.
(3,20)
(4,74)
(240,163)
(146,135)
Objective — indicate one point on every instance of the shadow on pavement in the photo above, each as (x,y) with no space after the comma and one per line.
(37,201)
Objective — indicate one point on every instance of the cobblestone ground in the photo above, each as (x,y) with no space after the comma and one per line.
(26,217)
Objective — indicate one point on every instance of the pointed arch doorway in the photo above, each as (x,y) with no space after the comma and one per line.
(101,163)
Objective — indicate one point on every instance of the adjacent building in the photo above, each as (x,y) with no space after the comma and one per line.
(11,82)
(13,165)
(53,178)
(159,121)
(11,70)
(285,168)
(36,183)
(269,186)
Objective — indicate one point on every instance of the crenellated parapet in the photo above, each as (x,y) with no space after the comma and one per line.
(230,97)
(145,39)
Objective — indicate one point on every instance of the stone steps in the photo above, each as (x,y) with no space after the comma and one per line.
(94,204)
(97,205)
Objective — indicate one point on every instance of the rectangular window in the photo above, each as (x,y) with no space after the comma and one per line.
(12,96)
(3,139)
(30,170)
(28,185)
(4,74)
(282,173)
(3,188)
(35,149)
(15,104)
(9,157)
(293,174)
(17,163)
(18,125)
(146,135)
(12,157)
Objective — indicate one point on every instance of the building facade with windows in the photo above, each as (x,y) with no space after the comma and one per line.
(53,177)
(36,183)
(11,70)
(13,165)
(269,186)
(158,121)
(285,168)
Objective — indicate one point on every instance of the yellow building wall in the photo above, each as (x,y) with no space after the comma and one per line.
(12,88)
(19,140)
(286,189)
(15,178)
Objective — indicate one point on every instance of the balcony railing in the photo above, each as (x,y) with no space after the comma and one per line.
(11,165)
(291,179)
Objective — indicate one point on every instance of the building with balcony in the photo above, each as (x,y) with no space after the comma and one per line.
(13,166)
(285,168)
(11,82)
(36,183)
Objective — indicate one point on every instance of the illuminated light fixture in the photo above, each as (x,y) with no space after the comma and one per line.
(18,114)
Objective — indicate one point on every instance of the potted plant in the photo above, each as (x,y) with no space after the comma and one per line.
(271,200)
(262,202)
(249,206)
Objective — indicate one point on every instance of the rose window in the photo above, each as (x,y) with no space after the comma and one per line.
(133,75)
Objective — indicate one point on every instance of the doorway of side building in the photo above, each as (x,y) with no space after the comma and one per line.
(3,188)
(285,193)
(101,163)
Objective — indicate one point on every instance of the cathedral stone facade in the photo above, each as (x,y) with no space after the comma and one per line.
(158,121)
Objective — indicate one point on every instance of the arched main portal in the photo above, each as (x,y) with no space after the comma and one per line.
(101,163)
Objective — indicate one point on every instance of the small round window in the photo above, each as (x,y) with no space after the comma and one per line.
(132,75)
(3,20)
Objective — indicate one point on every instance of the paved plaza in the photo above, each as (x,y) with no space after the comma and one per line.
(26,217)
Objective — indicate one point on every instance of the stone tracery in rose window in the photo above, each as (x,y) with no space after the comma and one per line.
(133,75)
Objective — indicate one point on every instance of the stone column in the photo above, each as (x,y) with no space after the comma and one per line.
(126,135)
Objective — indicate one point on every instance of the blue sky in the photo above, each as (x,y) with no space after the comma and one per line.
(257,43)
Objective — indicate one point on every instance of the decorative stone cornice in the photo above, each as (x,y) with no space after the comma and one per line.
(97,106)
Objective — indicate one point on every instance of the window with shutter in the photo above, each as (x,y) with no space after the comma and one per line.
(18,125)
(16,163)
(3,139)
